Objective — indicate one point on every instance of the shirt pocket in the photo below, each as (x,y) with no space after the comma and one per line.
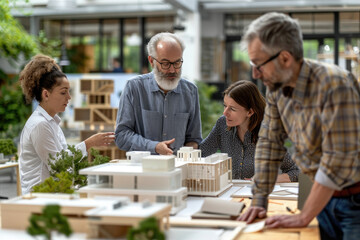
(181,121)
(152,124)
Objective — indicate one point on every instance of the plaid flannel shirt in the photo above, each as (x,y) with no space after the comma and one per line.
(322,119)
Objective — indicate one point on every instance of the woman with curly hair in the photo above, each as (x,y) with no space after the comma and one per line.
(42,80)
(236,132)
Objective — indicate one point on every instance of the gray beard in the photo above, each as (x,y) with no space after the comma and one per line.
(285,76)
(163,82)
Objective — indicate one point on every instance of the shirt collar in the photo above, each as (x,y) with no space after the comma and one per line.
(154,86)
(302,81)
(49,118)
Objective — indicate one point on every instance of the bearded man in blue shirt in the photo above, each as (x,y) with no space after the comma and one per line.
(159,111)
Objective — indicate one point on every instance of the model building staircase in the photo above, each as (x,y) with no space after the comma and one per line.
(98,115)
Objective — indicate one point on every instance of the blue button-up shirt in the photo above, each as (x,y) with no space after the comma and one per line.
(147,116)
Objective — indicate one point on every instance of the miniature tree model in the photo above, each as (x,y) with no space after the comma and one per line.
(61,184)
(148,230)
(50,221)
(64,173)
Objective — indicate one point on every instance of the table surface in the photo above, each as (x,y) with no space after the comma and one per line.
(194,204)
(275,207)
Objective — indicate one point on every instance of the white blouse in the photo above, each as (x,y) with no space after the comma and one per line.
(40,137)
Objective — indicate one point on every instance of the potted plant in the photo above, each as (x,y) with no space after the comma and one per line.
(7,147)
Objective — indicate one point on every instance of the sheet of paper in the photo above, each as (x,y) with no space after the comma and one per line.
(254,227)
(279,192)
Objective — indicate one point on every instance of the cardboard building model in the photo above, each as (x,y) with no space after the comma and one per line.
(98,115)
(155,179)
(97,217)
(210,176)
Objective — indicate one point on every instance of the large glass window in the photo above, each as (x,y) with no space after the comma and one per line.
(315,23)
(349,22)
(324,40)
(132,43)
(111,51)
(97,45)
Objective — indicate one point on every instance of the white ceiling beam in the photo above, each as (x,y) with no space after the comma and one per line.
(186,5)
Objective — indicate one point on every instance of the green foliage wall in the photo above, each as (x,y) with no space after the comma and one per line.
(210,109)
(13,110)
(14,39)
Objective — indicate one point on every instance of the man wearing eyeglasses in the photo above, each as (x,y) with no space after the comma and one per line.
(317,106)
(159,111)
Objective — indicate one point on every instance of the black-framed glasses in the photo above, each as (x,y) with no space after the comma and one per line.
(167,64)
(258,67)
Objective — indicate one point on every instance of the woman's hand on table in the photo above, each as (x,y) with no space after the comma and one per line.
(252,213)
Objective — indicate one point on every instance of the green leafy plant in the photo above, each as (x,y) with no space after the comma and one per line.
(210,109)
(7,147)
(61,183)
(14,39)
(98,158)
(65,167)
(148,230)
(51,220)
(69,162)
(13,110)
(49,47)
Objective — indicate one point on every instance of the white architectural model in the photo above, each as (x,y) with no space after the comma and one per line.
(161,185)
(136,156)
(208,176)
(189,154)
(93,216)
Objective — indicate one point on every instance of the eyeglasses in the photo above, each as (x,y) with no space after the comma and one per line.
(167,64)
(258,67)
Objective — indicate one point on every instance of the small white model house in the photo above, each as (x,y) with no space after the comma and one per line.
(139,183)
(136,156)
(189,154)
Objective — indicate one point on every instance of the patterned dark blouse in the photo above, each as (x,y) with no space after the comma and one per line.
(242,153)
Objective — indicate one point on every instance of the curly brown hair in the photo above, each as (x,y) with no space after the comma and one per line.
(40,73)
(247,95)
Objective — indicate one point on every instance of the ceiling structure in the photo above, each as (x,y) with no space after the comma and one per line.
(84,8)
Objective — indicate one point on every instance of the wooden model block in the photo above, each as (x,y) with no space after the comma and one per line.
(96,99)
(82,114)
(114,223)
(96,86)
(15,212)
(106,115)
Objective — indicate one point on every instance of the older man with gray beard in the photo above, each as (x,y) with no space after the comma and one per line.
(159,111)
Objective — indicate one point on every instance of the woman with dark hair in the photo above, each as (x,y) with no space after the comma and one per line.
(236,132)
(43,81)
